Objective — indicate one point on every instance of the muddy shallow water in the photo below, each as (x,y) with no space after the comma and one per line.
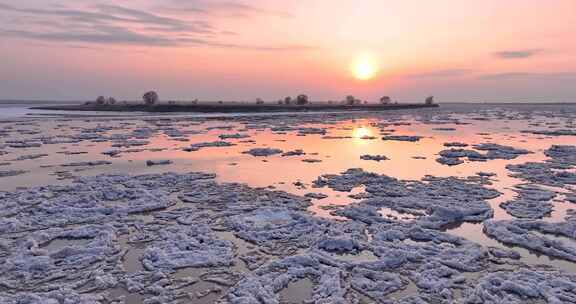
(307,156)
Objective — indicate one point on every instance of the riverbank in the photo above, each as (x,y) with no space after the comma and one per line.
(233,107)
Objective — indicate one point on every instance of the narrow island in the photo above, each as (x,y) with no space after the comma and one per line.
(151,103)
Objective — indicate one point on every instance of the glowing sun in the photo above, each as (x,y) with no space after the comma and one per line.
(364,68)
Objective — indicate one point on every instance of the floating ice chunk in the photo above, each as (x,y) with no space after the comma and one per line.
(112,153)
(198,146)
(88,163)
(130,143)
(340,245)
(31,156)
(437,278)
(373,157)
(336,137)
(317,196)
(496,151)
(561,132)
(263,151)
(158,162)
(450,161)
(59,141)
(347,180)
(476,156)
(455,144)
(23,145)
(29,265)
(402,138)
(444,129)
(306,131)
(312,160)
(376,284)
(455,153)
(60,296)
(233,136)
(485,174)
(209,193)
(504,253)
(297,152)
(72,152)
(543,173)
(453,156)
(367,137)
(562,154)
(532,202)
(187,246)
(267,281)
(522,286)
(436,201)
(10,173)
(267,226)
(522,233)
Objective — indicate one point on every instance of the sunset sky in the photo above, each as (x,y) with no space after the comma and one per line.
(458,50)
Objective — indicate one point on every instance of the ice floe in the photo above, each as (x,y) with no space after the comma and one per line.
(263,151)
(402,138)
(373,157)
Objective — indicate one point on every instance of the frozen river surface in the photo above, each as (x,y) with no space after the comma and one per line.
(462,204)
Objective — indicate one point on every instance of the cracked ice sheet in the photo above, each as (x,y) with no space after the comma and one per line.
(437,201)
(211,209)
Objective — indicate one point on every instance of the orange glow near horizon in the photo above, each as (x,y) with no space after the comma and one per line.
(489,50)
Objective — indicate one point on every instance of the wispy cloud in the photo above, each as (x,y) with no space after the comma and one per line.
(518,54)
(222,8)
(109,35)
(105,14)
(442,73)
(527,75)
(107,24)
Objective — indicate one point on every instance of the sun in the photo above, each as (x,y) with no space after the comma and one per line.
(364,68)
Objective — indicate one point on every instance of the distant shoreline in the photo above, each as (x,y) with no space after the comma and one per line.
(232,107)
(77,102)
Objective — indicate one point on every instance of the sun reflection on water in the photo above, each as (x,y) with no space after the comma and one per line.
(360,132)
(362,135)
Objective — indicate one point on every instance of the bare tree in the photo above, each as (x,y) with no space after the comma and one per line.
(430,100)
(150,98)
(288,100)
(111,101)
(302,100)
(101,100)
(385,100)
(350,100)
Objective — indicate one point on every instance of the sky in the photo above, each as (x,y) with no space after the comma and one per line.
(458,51)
